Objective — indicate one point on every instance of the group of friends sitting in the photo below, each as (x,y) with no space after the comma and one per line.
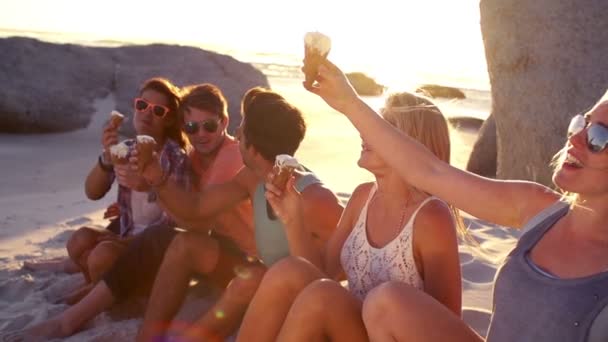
(205,208)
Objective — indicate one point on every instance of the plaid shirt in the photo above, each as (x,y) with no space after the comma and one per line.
(174,162)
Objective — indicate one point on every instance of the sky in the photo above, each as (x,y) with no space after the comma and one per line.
(388,38)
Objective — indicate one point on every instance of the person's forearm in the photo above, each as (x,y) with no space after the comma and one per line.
(181,204)
(412,160)
(97,183)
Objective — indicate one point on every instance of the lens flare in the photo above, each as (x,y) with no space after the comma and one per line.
(219,314)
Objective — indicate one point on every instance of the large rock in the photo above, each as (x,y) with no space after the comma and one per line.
(482,160)
(48,87)
(364,85)
(435,91)
(547,61)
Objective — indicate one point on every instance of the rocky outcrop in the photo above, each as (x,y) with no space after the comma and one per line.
(482,160)
(364,85)
(434,91)
(48,87)
(547,61)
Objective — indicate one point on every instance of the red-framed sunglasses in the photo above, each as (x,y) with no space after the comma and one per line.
(596,134)
(142,105)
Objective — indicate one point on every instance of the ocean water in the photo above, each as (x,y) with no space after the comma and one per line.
(277,66)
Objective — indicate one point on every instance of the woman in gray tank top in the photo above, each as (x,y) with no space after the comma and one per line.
(553,286)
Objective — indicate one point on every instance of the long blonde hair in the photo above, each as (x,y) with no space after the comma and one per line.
(420,119)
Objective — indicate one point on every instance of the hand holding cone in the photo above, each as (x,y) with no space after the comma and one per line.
(284,166)
(316,49)
(145,145)
(116,119)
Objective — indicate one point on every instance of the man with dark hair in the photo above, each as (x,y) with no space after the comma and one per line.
(270,126)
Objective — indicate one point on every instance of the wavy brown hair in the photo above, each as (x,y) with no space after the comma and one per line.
(174,129)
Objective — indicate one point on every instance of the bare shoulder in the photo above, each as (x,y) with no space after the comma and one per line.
(434,220)
(540,198)
(434,211)
(319,196)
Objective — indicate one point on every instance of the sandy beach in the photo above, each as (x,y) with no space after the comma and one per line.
(42,202)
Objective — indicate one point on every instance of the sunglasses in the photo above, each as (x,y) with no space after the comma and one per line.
(142,105)
(597,134)
(209,125)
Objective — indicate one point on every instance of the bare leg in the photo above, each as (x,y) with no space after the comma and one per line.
(80,244)
(279,288)
(72,319)
(187,254)
(324,311)
(60,264)
(102,257)
(224,317)
(395,311)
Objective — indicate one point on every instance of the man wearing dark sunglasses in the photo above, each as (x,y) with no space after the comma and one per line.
(270,126)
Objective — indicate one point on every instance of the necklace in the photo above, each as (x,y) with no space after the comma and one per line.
(403,211)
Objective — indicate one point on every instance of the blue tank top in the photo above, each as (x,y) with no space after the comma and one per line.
(270,238)
(532,306)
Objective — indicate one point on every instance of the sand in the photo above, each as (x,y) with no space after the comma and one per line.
(42,202)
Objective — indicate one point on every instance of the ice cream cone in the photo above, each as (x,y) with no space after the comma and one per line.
(284,167)
(116,119)
(316,49)
(119,153)
(145,146)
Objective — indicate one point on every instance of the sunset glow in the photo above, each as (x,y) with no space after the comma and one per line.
(398,42)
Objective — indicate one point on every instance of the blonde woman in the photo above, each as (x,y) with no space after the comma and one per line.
(552,287)
(389,231)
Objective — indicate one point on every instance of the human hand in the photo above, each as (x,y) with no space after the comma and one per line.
(129,177)
(112,211)
(109,137)
(333,87)
(286,204)
(152,172)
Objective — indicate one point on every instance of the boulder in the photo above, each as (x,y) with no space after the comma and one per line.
(482,160)
(546,61)
(48,87)
(364,85)
(434,91)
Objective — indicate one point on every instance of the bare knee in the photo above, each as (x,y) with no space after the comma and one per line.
(80,241)
(314,299)
(291,274)
(195,251)
(382,302)
(101,258)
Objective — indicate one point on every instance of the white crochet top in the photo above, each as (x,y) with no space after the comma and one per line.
(367,267)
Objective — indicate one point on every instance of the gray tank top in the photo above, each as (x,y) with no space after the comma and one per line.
(531,306)
(270,238)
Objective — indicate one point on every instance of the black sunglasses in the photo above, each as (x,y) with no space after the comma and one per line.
(209,125)
(597,134)
(141,105)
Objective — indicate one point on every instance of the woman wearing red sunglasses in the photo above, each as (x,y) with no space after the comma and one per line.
(93,251)
(553,285)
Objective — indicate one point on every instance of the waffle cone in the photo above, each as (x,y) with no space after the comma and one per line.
(281,176)
(144,153)
(312,60)
(116,121)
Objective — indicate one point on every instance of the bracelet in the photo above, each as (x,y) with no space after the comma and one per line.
(104,166)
